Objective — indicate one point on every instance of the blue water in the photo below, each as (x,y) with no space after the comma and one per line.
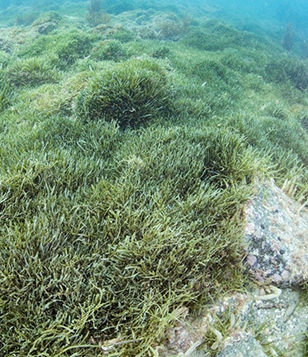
(270,15)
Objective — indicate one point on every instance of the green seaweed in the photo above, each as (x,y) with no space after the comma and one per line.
(64,48)
(5,94)
(289,69)
(94,15)
(130,93)
(31,72)
(107,233)
(111,50)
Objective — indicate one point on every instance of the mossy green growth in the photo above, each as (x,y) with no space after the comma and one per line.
(214,35)
(55,98)
(289,69)
(5,95)
(229,160)
(161,52)
(76,45)
(106,233)
(47,22)
(31,72)
(111,50)
(5,59)
(213,73)
(50,16)
(64,48)
(304,121)
(94,15)
(123,35)
(6,92)
(129,93)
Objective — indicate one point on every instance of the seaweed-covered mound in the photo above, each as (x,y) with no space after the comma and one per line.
(128,149)
(129,93)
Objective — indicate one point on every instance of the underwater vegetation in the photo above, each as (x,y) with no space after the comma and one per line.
(288,38)
(112,50)
(128,93)
(30,72)
(95,13)
(5,95)
(125,164)
(61,49)
(289,69)
(47,22)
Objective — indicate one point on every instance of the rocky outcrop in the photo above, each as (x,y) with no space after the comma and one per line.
(271,319)
(47,22)
(277,238)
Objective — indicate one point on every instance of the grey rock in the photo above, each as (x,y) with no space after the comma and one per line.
(271,320)
(46,27)
(247,347)
(277,236)
(263,327)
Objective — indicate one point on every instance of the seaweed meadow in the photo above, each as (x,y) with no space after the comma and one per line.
(131,137)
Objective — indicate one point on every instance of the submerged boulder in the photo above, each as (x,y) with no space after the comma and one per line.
(277,237)
(47,22)
(270,318)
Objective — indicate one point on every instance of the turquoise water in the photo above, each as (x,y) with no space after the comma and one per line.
(270,15)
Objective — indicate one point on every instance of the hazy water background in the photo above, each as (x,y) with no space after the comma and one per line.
(264,17)
(283,11)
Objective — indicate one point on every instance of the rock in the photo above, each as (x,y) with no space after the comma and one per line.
(46,27)
(47,22)
(271,320)
(5,45)
(253,327)
(277,237)
(278,324)
(246,347)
